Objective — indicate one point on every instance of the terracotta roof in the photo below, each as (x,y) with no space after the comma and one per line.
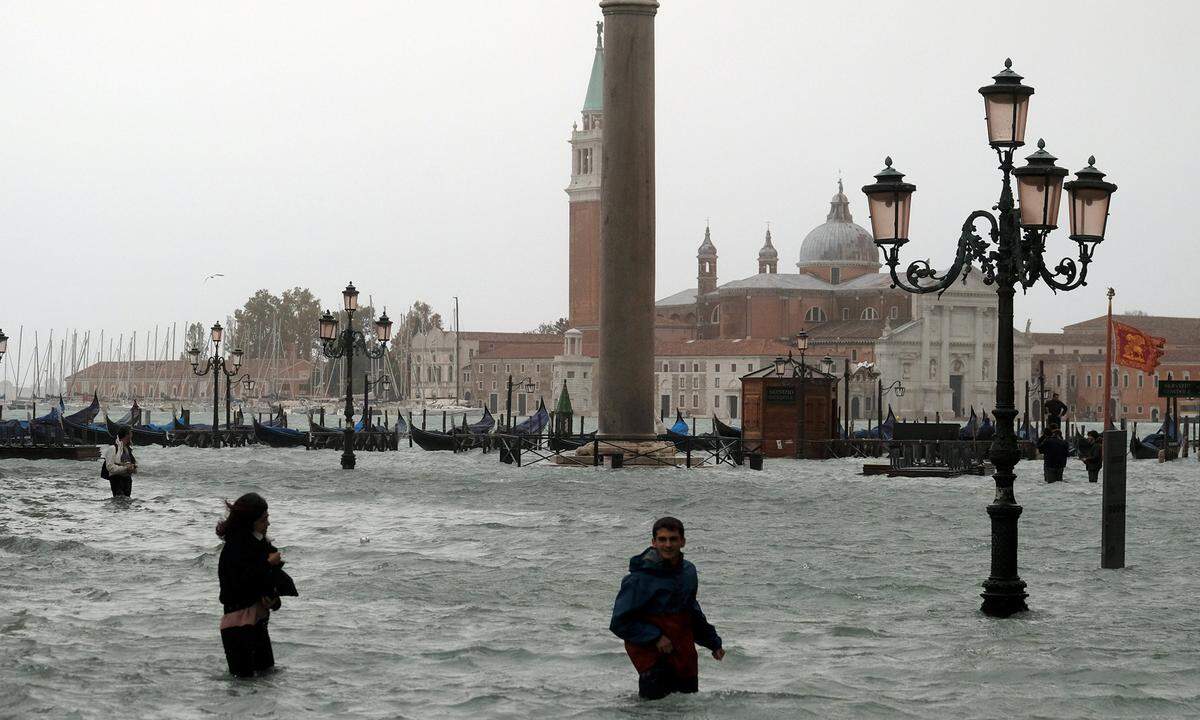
(510,337)
(509,351)
(165,369)
(1178,330)
(755,347)
(683,297)
(1044,338)
(1173,356)
(846,330)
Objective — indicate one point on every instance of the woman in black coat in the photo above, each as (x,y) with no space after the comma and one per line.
(251,582)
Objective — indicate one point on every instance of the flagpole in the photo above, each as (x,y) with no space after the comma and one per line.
(1108,366)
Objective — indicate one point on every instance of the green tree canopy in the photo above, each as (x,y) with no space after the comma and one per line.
(270,325)
(558,327)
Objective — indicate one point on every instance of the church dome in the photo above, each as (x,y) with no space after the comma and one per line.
(839,241)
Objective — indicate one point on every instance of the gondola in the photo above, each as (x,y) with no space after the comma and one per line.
(725,431)
(279,437)
(1167,436)
(86,415)
(880,431)
(534,424)
(142,434)
(987,430)
(970,431)
(563,443)
(432,440)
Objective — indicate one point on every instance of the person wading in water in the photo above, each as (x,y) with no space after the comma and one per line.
(119,465)
(252,580)
(657,615)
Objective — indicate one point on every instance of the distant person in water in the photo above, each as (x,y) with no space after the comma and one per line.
(1093,455)
(657,615)
(1055,411)
(252,581)
(119,463)
(1054,454)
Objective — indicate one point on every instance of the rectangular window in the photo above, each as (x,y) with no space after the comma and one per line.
(467,376)
(1155,379)
(522,367)
(1139,409)
(894,313)
(493,384)
(717,367)
(733,367)
(695,367)
(585,374)
(480,384)
(1099,380)
(480,367)
(679,402)
(1141,380)
(570,374)
(681,367)
(1071,381)
(507,368)
(853,355)
(537,367)
(1125,409)
(1125,380)
(695,400)
(717,384)
(835,276)
(493,367)
(716,402)
(1058,380)
(666,368)
(1089,380)
(845,313)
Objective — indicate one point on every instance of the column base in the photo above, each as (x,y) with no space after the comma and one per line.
(1004,590)
(1003,598)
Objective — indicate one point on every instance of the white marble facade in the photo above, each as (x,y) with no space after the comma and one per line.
(946,355)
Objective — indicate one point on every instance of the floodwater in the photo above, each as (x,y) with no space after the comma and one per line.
(449,586)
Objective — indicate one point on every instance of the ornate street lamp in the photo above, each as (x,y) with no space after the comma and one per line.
(335,345)
(219,366)
(3,344)
(802,346)
(527,385)
(897,387)
(827,365)
(1012,254)
(384,382)
(779,363)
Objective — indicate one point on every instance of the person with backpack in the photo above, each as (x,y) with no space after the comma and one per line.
(119,465)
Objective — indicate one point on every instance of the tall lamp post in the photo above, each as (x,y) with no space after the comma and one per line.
(526,384)
(219,366)
(1012,254)
(897,387)
(802,346)
(336,344)
(3,349)
(384,382)
(246,381)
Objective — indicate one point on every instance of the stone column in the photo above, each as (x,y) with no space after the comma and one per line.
(627,221)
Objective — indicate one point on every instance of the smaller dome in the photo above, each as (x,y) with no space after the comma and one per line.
(768,251)
(707,251)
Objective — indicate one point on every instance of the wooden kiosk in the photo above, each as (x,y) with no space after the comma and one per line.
(773,414)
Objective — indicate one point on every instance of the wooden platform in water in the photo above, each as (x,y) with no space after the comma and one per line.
(49,452)
(888,470)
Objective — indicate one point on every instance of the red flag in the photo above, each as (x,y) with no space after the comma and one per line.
(1135,348)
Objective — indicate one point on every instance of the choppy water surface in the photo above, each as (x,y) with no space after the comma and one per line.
(483,591)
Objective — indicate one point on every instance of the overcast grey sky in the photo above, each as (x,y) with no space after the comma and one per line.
(420,148)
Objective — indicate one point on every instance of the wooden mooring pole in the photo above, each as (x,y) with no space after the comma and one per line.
(1112,518)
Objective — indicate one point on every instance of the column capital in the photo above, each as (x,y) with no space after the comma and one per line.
(632,7)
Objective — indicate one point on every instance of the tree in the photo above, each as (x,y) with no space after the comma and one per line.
(272,325)
(558,327)
(196,336)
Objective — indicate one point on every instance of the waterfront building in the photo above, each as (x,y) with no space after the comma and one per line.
(277,379)
(1074,360)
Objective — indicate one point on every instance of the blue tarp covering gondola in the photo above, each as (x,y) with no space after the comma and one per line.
(484,425)
(987,430)
(534,424)
(86,415)
(970,431)
(401,424)
(279,436)
(881,432)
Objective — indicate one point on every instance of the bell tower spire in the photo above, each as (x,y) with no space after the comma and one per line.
(706,264)
(583,196)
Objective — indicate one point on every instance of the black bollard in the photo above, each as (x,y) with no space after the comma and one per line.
(322,409)
(410,426)
(1112,519)
(756,461)
(443,421)
(422,418)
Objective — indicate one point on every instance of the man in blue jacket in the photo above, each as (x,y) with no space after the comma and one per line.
(658,617)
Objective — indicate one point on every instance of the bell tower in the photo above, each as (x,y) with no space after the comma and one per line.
(768,256)
(706,265)
(584,200)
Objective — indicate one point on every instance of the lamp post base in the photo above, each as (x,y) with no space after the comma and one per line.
(1004,590)
(347,460)
(348,449)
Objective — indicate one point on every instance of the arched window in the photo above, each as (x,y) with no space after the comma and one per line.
(870,313)
(715,318)
(815,314)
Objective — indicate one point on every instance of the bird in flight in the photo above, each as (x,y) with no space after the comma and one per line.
(210,277)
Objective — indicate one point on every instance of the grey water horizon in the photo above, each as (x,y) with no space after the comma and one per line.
(436,585)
